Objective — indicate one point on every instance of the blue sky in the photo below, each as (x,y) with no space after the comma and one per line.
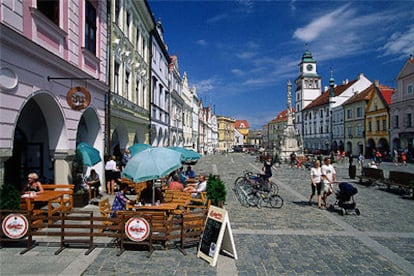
(240,54)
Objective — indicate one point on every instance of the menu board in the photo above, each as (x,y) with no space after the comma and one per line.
(217,236)
(210,237)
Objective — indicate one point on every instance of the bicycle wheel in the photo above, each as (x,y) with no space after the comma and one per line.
(241,197)
(238,181)
(274,188)
(260,203)
(276,201)
(252,199)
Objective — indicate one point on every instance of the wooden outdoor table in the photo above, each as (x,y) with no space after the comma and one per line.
(162,207)
(47,196)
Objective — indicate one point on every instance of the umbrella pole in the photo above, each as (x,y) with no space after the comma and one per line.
(153,193)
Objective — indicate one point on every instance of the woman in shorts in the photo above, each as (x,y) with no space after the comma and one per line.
(316,182)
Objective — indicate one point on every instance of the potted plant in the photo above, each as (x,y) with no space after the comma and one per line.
(80,197)
(216,190)
(9,197)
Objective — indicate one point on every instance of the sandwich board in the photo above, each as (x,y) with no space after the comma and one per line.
(217,236)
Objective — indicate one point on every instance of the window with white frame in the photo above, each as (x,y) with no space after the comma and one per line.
(410,88)
(359,112)
(90,27)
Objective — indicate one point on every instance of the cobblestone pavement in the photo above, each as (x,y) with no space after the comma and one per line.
(297,239)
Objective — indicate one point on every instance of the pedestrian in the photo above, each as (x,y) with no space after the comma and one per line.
(404,158)
(329,178)
(110,175)
(395,157)
(267,168)
(125,157)
(316,182)
(360,160)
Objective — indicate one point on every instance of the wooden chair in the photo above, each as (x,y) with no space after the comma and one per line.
(105,209)
(67,190)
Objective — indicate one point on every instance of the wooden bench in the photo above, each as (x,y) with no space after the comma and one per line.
(192,227)
(185,200)
(401,180)
(67,190)
(371,175)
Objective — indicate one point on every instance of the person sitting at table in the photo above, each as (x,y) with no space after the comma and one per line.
(189,172)
(146,194)
(33,184)
(93,182)
(121,200)
(181,175)
(201,186)
(175,184)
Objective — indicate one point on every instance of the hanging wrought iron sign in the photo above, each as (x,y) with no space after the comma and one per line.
(78,98)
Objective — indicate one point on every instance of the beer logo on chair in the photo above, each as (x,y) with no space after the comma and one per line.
(137,229)
(78,98)
(15,226)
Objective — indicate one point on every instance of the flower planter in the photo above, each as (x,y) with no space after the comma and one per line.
(80,200)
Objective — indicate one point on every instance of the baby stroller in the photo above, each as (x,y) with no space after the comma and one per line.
(345,199)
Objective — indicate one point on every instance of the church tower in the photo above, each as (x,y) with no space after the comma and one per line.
(308,87)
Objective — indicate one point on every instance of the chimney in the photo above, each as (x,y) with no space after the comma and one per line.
(345,81)
(411,57)
(360,75)
(376,83)
(325,88)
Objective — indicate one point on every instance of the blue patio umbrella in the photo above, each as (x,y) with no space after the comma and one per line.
(135,148)
(90,155)
(152,163)
(186,154)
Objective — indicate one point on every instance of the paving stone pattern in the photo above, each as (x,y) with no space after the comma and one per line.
(297,239)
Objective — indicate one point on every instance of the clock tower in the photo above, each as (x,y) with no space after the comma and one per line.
(308,87)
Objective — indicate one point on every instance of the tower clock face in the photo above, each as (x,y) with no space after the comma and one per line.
(309,67)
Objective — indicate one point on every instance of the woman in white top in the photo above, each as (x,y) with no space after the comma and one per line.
(316,182)
(110,170)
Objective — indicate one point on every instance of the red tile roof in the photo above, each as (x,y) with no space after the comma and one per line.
(386,93)
(323,99)
(241,124)
(282,116)
(365,95)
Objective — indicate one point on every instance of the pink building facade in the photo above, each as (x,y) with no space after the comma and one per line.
(54,83)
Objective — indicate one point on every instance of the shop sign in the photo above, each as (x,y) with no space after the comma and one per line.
(137,229)
(15,226)
(78,98)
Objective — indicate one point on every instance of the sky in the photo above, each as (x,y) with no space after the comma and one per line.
(240,54)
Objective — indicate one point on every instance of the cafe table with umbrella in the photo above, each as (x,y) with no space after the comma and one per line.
(152,163)
(90,155)
(188,156)
(137,147)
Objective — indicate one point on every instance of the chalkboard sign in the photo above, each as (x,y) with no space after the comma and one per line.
(210,236)
(217,236)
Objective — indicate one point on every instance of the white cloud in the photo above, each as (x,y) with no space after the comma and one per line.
(205,86)
(201,42)
(237,72)
(400,43)
(322,24)
(246,55)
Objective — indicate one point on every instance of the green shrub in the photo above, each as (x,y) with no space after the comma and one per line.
(9,197)
(216,190)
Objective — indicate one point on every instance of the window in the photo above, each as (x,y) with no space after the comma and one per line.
(116,78)
(117,11)
(359,112)
(384,125)
(50,8)
(321,113)
(126,90)
(369,126)
(410,89)
(90,27)
(408,120)
(378,126)
(396,123)
(349,114)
